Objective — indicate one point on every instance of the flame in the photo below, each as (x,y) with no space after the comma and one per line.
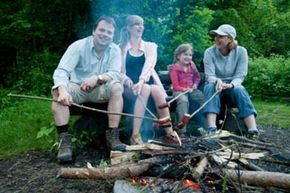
(190,184)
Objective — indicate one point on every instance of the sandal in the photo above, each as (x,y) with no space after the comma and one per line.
(136,140)
(173,137)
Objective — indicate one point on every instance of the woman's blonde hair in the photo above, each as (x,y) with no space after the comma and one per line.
(124,34)
(181,49)
(233,44)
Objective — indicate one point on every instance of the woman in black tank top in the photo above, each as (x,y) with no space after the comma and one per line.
(141,80)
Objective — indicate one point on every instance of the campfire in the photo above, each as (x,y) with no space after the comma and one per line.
(222,162)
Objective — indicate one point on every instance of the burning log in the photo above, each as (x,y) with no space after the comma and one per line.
(260,178)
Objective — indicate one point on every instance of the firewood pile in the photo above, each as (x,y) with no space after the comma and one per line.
(222,162)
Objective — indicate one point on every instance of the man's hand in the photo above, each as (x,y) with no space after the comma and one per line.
(89,83)
(64,97)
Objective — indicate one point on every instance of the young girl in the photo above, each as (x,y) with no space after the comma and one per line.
(185,76)
(140,78)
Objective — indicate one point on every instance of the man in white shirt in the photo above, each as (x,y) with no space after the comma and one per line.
(89,71)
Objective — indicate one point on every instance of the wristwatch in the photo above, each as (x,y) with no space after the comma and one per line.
(100,79)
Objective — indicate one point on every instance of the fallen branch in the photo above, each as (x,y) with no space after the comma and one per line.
(260,178)
(118,157)
(113,172)
(223,133)
(250,165)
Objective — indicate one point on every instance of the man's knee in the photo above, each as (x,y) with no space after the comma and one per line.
(117,89)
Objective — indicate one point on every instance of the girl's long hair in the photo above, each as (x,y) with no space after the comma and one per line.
(124,34)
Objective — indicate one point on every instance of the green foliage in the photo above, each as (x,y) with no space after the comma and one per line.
(192,28)
(46,133)
(20,123)
(34,34)
(37,78)
(262,25)
(84,138)
(269,77)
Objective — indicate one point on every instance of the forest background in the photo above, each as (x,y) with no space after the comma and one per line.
(35,33)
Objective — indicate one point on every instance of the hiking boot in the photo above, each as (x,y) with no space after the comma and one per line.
(64,148)
(136,140)
(113,140)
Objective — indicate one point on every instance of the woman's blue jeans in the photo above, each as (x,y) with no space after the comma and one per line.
(235,97)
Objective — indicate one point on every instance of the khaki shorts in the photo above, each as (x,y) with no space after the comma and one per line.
(100,94)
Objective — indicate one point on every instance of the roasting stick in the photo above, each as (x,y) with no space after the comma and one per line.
(187,117)
(144,105)
(84,107)
(172,100)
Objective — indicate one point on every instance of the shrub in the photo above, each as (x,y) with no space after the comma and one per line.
(269,76)
(37,79)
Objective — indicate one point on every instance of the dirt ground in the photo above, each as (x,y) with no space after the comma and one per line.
(37,171)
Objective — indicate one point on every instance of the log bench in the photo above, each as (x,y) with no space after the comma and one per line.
(92,121)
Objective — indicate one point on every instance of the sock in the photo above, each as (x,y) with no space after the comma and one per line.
(62,128)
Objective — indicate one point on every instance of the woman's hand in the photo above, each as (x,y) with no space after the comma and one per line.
(128,82)
(138,87)
(227,86)
(219,85)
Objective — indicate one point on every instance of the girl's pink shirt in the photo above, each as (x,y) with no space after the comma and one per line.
(182,80)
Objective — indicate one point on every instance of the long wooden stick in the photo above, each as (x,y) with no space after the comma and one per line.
(82,106)
(172,100)
(187,117)
(145,106)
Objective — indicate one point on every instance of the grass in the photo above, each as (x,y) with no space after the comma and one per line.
(273,113)
(21,123)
